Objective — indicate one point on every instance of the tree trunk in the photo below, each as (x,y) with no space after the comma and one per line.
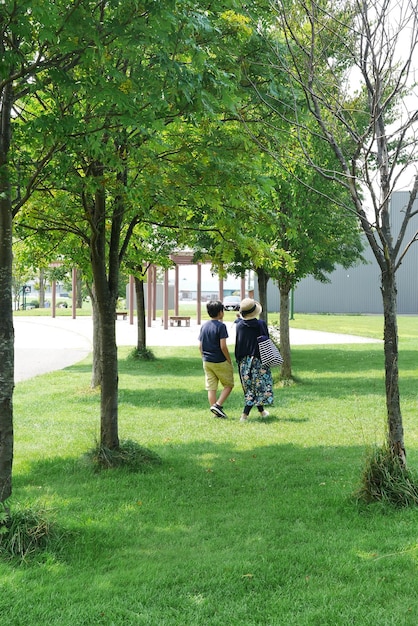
(262,279)
(6,304)
(286,369)
(109,365)
(41,288)
(96,372)
(395,433)
(105,269)
(105,351)
(140,311)
(79,284)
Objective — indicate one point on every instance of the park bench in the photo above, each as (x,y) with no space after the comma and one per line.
(176,320)
(123,314)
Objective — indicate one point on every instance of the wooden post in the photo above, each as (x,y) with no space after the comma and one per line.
(176,290)
(165,300)
(131,298)
(149,295)
(53,298)
(154,292)
(74,289)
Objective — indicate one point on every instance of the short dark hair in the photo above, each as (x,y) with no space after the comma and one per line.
(214,307)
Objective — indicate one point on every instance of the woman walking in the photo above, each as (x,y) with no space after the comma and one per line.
(256,378)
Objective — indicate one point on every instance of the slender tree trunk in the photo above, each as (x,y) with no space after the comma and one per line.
(395,433)
(105,269)
(140,311)
(286,369)
(262,279)
(109,387)
(79,283)
(106,351)
(41,288)
(6,352)
(6,304)
(96,372)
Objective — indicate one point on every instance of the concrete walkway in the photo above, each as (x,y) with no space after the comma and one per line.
(46,344)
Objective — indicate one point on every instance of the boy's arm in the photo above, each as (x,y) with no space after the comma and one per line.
(225,350)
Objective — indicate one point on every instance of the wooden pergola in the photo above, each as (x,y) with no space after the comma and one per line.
(180,258)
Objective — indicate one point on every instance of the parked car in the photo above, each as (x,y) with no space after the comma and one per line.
(231,303)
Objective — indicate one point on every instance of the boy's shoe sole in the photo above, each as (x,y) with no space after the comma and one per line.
(218,412)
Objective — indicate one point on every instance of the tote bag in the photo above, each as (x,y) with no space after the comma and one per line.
(269,353)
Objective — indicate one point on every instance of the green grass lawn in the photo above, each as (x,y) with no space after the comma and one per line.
(243,523)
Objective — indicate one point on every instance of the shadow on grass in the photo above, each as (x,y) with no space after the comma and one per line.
(327,372)
(289,420)
(251,531)
(195,473)
(170,365)
(198,494)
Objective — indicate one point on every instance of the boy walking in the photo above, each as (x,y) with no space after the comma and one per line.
(217,363)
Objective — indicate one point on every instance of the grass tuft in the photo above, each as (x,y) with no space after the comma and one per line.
(386,480)
(129,455)
(145,354)
(26,532)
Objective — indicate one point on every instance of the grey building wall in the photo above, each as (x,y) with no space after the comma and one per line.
(357,290)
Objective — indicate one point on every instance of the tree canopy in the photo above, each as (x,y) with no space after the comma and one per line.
(128,128)
(369,128)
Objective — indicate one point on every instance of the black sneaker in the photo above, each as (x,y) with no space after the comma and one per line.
(218,411)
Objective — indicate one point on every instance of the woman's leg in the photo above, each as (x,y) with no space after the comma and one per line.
(246,412)
(262,411)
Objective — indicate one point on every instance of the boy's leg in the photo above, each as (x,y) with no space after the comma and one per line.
(226,377)
(211,396)
(225,373)
(211,382)
(224,394)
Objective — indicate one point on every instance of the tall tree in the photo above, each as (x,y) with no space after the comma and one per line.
(353,64)
(287,232)
(149,84)
(306,228)
(38,43)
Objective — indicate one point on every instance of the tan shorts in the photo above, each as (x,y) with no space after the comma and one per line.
(218,372)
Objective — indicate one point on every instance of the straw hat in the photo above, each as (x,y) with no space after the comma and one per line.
(250,309)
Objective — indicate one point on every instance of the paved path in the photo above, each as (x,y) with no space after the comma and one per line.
(46,344)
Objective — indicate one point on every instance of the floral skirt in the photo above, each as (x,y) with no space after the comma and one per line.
(256,381)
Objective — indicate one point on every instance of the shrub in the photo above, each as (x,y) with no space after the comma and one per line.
(144,354)
(25,532)
(129,455)
(386,479)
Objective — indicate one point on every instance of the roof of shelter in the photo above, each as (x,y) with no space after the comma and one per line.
(184,257)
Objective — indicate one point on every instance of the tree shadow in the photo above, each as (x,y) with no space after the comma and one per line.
(200,485)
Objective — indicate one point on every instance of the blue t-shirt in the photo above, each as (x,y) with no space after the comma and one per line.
(210,337)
